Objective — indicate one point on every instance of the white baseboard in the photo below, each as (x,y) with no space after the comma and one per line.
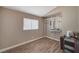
(11,47)
(52,38)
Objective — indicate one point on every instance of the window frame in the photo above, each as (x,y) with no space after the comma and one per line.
(30,24)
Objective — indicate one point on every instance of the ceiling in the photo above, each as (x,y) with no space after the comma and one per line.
(35,10)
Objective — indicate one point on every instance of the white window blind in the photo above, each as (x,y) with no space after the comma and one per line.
(30,24)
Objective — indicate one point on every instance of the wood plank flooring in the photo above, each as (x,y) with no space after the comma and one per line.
(43,45)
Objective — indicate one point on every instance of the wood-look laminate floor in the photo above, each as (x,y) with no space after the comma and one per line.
(43,45)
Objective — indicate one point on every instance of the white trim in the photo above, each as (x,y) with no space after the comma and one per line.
(52,38)
(5,49)
(11,47)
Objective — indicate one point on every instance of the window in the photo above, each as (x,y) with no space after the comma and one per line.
(55,22)
(30,24)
